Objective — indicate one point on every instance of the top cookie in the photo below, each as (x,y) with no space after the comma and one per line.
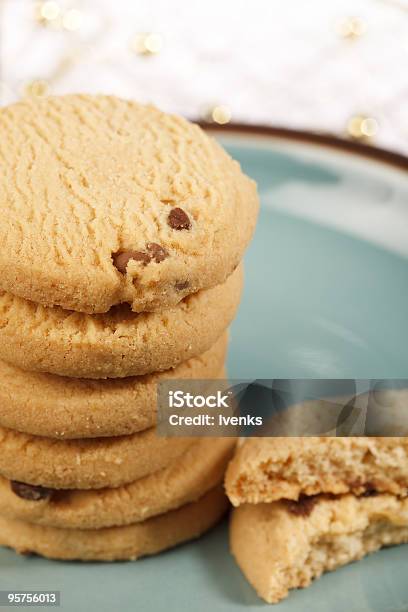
(107,201)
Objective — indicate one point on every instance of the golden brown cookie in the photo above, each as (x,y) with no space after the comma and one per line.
(185,480)
(60,407)
(86,464)
(117,543)
(267,469)
(106,201)
(285,545)
(117,344)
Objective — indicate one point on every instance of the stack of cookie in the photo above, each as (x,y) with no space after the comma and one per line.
(310,505)
(121,236)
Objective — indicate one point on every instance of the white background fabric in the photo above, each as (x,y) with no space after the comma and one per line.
(270,61)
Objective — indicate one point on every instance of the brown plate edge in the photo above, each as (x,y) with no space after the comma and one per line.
(328,140)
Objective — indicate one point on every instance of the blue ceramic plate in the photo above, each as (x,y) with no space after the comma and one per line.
(326,296)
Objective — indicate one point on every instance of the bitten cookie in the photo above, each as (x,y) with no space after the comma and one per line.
(60,407)
(185,480)
(267,469)
(117,344)
(285,545)
(110,201)
(115,543)
(86,464)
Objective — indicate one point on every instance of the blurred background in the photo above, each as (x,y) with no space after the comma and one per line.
(337,66)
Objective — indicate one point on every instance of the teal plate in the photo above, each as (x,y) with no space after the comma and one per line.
(326,296)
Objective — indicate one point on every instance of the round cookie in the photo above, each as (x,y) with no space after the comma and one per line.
(185,480)
(117,543)
(86,464)
(60,407)
(110,201)
(117,344)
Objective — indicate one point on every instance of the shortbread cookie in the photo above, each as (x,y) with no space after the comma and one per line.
(86,464)
(117,543)
(117,344)
(185,480)
(285,545)
(267,469)
(106,201)
(60,407)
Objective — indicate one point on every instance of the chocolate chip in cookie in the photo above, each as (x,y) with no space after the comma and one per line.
(182,285)
(122,258)
(370,490)
(156,252)
(302,507)
(30,492)
(178,219)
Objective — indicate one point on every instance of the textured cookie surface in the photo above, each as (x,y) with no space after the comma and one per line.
(115,543)
(267,469)
(110,201)
(61,407)
(285,545)
(117,344)
(86,464)
(185,480)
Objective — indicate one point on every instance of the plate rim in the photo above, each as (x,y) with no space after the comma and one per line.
(368,151)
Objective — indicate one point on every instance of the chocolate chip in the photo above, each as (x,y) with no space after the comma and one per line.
(182,285)
(369,490)
(156,252)
(364,489)
(178,219)
(302,507)
(30,492)
(370,493)
(122,258)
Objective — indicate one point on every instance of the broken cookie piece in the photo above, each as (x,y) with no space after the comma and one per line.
(278,549)
(269,469)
